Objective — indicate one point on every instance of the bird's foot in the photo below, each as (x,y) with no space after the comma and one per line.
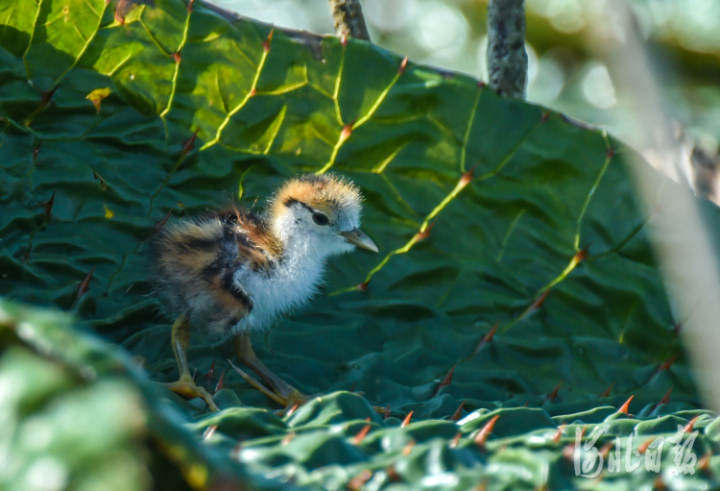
(296,397)
(283,393)
(185,386)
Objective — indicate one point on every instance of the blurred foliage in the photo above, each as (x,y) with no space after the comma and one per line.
(78,413)
(515,268)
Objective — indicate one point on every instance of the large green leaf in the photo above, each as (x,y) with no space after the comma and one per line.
(488,212)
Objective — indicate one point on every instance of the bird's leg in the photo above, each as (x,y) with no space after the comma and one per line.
(185,385)
(277,389)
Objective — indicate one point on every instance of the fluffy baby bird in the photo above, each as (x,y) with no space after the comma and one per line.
(233,272)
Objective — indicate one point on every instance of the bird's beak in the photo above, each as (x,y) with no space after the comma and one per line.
(360,239)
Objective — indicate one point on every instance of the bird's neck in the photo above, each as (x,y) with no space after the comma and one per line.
(299,248)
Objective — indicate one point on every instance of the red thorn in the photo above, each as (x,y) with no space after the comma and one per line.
(643,448)
(343,39)
(48,206)
(558,433)
(553,395)
(485,431)
(545,116)
(691,424)
(362,433)
(386,413)
(359,481)
(608,391)
(610,153)
(605,449)
(362,286)
(253,92)
(704,462)
(447,380)
(626,405)
(666,397)
(346,132)
(209,432)
(292,409)
(190,5)
(268,40)
(458,412)
(659,484)
(176,56)
(161,223)
(581,255)
(490,334)
(220,383)
(424,234)
(189,144)
(407,419)
(408,448)
(84,284)
(456,439)
(466,178)
(119,17)
(392,473)
(287,438)
(569,451)
(211,371)
(481,84)
(403,65)
(668,363)
(486,339)
(537,303)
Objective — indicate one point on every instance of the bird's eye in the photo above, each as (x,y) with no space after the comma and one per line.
(320,218)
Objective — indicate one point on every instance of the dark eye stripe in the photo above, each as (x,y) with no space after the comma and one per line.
(318,217)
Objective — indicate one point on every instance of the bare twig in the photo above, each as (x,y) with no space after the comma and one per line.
(348,18)
(705,166)
(506,56)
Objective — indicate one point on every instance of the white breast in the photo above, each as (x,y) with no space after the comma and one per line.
(290,285)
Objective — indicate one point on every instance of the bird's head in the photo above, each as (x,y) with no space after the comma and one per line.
(321,212)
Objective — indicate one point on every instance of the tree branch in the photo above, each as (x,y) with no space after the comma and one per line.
(506,56)
(348,19)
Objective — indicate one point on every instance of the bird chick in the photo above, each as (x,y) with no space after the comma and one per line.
(233,272)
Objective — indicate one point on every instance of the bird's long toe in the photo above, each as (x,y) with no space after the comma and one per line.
(283,394)
(186,387)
